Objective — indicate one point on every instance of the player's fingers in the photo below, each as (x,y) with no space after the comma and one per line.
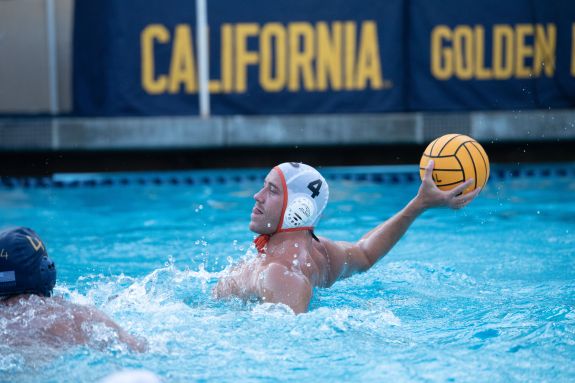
(429,171)
(465,199)
(460,188)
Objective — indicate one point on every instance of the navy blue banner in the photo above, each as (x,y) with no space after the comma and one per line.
(140,57)
(307,56)
(109,75)
(491,54)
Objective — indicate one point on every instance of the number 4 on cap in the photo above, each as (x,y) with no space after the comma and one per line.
(314,186)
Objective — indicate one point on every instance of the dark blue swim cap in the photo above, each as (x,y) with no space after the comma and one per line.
(24,264)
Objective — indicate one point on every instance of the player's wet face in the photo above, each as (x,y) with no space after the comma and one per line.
(268,205)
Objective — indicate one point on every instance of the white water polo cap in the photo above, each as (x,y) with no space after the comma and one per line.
(305,196)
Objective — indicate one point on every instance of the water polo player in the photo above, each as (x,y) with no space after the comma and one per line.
(292,260)
(29,315)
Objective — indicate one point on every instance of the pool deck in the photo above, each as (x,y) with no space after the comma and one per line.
(153,133)
(43,146)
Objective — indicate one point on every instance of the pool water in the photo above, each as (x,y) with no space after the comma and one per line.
(482,294)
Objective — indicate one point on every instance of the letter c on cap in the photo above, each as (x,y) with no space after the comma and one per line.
(37,245)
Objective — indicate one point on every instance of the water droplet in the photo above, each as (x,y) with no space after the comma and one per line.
(538,212)
(308,264)
(269,224)
(295,255)
(296,244)
(295,262)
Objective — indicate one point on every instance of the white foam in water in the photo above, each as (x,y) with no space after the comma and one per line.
(277,310)
(11,362)
(160,297)
(132,376)
(345,319)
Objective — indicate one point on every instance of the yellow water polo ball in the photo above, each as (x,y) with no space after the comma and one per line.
(457,158)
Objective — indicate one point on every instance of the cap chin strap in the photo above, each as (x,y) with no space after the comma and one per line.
(261,242)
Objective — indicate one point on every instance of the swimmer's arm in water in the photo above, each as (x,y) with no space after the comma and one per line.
(275,283)
(229,284)
(348,258)
(86,314)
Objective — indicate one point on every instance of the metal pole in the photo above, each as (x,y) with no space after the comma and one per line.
(203,57)
(52,56)
(53,72)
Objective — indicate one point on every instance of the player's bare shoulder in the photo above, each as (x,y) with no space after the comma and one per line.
(344,258)
(322,254)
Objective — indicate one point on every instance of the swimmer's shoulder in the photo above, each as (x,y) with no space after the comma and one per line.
(324,250)
(338,257)
(280,284)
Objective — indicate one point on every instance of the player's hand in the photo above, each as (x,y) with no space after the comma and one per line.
(429,195)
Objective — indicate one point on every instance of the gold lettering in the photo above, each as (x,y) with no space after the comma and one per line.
(441,56)
(522,50)
(301,47)
(463,48)
(227,54)
(573,49)
(481,72)
(273,33)
(329,50)
(243,56)
(350,43)
(150,34)
(214,84)
(544,56)
(36,244)
(368,63)
(294,57)
(503,46)
(183,65)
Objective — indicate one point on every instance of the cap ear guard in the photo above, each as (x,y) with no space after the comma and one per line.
(47,277)
(300,212)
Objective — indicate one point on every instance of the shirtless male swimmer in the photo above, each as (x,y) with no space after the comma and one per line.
(29,315)
(291,260)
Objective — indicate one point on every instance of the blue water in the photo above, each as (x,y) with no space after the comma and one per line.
(484,294)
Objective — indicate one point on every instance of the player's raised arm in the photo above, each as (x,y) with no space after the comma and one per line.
(348,258)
